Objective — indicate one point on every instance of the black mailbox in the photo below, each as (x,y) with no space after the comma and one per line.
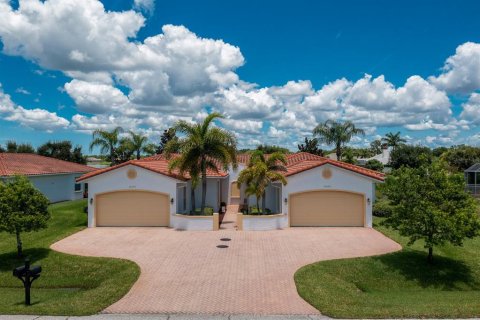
(27,275)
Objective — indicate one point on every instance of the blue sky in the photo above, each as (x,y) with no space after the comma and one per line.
(262,63)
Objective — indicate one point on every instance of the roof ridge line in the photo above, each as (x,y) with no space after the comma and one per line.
(354,165)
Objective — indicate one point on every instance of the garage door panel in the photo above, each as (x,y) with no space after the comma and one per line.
(132,209)
(327,208)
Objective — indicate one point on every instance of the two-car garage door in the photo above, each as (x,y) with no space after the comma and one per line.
(327,209)
(132,208)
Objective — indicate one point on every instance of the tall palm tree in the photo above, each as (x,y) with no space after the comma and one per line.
(393,139)
(261,172)
(190,167)
(337,133)
(137,143)
(107,141)
(203,147)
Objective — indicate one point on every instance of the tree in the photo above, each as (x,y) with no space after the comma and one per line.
(374,164)
(310,146)
(461,157)
(77,155)
(376,146)
(167,136)
(11,146)
(108,142)
(261,172)
(410,156)
(150,149)
(349,156)
(336,133)
(25,148)
(393,140)
(265,148)
(438,152)
(204,147)
(2,150)
(136,143)
(22,209)
(62,150)
(430,204)
(362,152)
(124,151)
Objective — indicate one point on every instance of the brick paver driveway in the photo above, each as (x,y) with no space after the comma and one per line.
(185,272)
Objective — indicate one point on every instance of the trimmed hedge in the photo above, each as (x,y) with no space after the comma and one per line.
(208,211)
(382,208)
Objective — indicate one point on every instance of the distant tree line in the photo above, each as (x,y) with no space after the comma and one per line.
(62,150)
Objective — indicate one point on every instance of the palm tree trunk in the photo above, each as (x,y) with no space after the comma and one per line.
(204,184)
(258,206)
(264,202)
(192,194)
(339,152)
(138,154)
(19,245)
(112,155)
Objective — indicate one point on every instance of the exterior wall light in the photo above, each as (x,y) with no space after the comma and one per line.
(91,200)
(368,201)
(171,200)
(285,200)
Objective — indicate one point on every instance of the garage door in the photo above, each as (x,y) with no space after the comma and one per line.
(132,209)
(327,208)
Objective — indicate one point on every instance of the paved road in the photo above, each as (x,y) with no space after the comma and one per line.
(185,272)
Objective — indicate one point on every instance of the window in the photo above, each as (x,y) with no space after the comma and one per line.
(471,177)
(78,187)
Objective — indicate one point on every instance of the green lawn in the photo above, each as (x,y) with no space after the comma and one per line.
(69,285)
(397,285)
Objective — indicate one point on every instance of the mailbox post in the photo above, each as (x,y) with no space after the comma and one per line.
(27,275)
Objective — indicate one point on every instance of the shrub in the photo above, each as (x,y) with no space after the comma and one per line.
(258,211)
(374,165)
(208,211)
(382,208)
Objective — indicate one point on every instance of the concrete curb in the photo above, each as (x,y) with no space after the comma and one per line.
(165,317)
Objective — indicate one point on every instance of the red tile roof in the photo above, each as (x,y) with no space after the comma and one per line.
(158,164)
(33,164)
(302,161)
(296,163)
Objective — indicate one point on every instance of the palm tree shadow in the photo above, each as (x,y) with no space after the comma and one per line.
(443,273)
(9,260)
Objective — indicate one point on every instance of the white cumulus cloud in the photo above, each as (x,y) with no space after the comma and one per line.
(38,119)
(461,72)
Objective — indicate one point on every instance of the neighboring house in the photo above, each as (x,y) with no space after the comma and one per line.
(96,162)
(472,179)
(56,179)
(320,192)
(383,157)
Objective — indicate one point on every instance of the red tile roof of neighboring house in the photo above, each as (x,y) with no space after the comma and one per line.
(33,164)
(296,163)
